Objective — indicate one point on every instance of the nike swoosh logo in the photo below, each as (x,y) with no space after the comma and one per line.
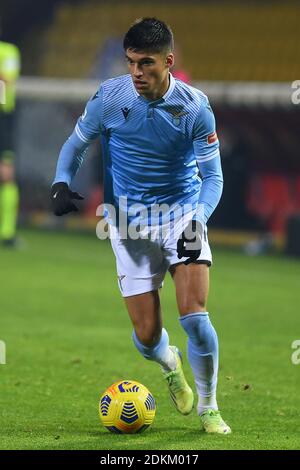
(54,195)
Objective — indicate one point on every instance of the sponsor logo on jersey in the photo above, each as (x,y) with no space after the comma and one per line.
(125,112)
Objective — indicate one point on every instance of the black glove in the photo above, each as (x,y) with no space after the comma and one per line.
(61,198)
(190,242)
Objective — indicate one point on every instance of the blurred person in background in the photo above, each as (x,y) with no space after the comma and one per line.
(9,194)
(156,131)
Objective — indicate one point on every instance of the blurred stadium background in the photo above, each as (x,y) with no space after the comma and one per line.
(59,293)
(244,55)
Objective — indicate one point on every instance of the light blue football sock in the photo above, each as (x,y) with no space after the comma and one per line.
(158,352)
(203,356)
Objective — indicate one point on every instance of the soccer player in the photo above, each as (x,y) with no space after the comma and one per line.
(9,195)
(157,133)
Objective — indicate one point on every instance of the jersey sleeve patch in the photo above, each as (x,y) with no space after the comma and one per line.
(211,138)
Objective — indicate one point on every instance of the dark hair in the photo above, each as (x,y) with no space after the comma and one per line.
(149,34)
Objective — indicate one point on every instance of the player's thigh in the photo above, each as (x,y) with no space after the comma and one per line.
(192,286)
(141,266)
(173,232)
(145,313)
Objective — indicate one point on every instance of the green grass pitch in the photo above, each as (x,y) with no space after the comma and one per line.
(68,337)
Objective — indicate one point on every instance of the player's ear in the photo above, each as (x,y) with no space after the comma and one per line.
(170,60)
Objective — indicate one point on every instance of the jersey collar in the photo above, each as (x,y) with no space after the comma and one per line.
(171,87)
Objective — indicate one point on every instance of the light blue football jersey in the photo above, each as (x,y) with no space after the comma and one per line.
(150,148)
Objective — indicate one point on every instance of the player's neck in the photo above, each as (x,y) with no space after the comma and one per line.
(159,92)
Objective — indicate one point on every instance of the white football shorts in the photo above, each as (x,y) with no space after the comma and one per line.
(142,263)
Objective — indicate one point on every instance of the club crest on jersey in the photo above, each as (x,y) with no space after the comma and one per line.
(177,113)
(125,112)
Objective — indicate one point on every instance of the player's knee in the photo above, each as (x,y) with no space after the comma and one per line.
(192,306)
(148,337)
